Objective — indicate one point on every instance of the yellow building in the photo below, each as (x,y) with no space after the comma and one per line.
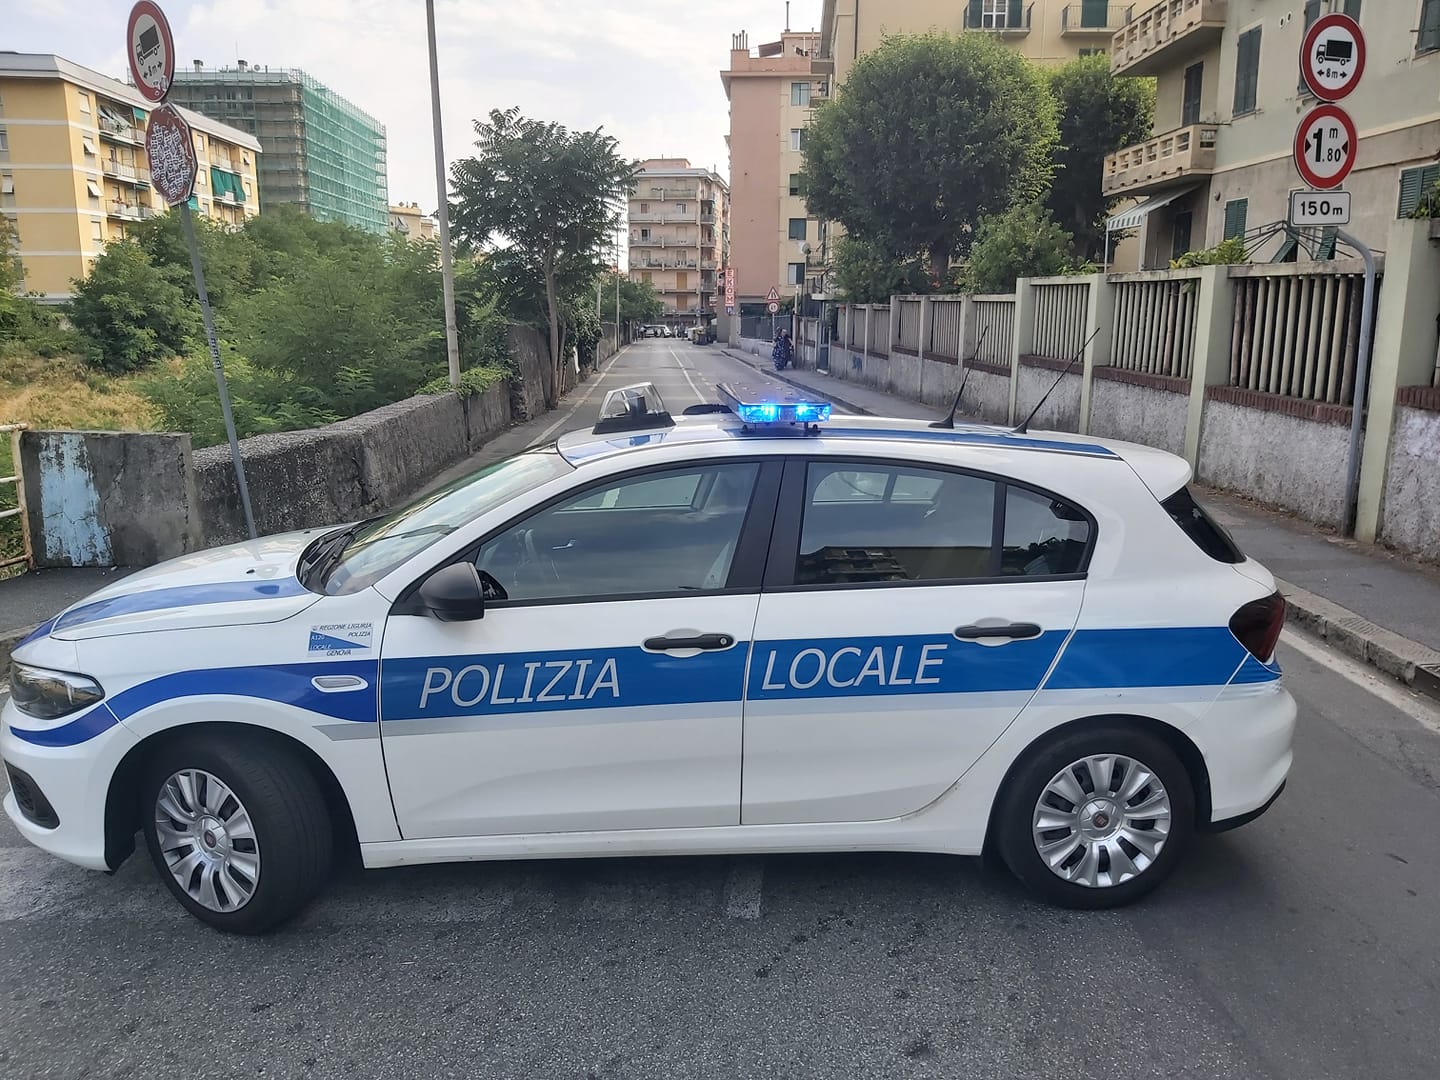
(679,235)
(412,223)
(1046,31)
(73,171)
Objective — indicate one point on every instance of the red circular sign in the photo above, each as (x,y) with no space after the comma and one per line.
(171,149)
(1332,57)
(151,50)
(1325,146)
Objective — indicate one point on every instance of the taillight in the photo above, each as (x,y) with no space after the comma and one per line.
(1257,626)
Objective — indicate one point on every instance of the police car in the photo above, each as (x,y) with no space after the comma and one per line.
(759,629)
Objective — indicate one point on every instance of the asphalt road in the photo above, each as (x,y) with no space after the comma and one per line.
(1306,945)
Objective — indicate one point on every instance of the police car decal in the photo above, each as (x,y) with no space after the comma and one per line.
(177,597)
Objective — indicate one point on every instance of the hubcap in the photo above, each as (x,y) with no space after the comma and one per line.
(1101,820)
(208,840)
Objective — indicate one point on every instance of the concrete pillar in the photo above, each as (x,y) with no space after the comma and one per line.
(1403,354)
(1214,323)
(1100,321)
(1023,337)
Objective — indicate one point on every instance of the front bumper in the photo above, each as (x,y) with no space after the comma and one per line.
(75,781)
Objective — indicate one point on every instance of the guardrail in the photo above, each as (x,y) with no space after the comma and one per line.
(16,513)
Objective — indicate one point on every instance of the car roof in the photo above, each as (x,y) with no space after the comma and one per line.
(1164,473)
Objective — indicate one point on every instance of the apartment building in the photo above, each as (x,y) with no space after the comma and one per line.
(1228,99)
(679,235)
(73,171)
(322,152)
(411,222)
(1046,31)
(773,90)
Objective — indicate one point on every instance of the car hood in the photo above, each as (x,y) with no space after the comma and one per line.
(244,584)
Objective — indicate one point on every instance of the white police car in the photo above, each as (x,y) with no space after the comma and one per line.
(759,630)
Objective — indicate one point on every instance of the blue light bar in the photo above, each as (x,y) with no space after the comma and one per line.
(765,407)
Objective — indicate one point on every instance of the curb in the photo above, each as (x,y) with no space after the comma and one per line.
(834,399)
(1409,662)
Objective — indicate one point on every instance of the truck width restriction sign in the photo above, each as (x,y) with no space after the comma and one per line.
(1332,57)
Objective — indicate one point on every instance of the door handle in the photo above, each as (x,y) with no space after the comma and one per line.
(698,641)
(1018,631)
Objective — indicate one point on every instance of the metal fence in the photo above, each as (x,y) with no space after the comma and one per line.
(995,324)
(1060,317)
(1297,334)
(1154,328)
(945,314)
(907,314)
(14,526)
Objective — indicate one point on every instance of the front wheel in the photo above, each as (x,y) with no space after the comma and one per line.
(238,830)
(1097,818)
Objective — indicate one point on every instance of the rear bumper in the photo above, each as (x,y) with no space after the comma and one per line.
(1243,819)
(1246,742)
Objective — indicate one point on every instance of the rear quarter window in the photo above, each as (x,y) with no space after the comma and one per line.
(1200,527)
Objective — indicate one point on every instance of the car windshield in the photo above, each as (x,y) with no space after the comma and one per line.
(374,548)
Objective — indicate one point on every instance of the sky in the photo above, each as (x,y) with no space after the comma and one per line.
(647,71)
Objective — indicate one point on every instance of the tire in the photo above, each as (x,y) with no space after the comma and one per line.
(1083,839)
(244,822)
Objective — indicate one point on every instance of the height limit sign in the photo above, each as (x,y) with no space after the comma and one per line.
(1325,145)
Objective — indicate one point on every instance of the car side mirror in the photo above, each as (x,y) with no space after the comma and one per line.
(454,593)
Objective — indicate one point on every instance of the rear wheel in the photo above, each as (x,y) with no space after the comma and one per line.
(1097,818)
(238,830)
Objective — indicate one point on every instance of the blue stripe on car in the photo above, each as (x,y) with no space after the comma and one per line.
(225,592)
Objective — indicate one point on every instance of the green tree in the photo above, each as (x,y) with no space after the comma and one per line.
(929,134)
(1025,241)
(131,312)
(868,274)
(639,302)
(550,195)
(1098,114)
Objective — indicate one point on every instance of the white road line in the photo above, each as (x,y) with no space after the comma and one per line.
(744,889)
(600,377)
(1419,709)
(700,399)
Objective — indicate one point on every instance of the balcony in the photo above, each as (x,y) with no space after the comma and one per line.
(999,22)
(1083,20)
(709,264)
(131,174)
(1161,162)
(115,131)
(129,211)
(1170,32)
(669,194)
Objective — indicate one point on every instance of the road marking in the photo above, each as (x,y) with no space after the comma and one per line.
(744,889)
(1383,687)
(700,398)
(600,377)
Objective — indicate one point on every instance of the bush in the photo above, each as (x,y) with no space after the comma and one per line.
(1025,241)
(473,381)
(1224,253)
(131,312)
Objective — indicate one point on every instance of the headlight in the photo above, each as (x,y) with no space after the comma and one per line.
(48,695)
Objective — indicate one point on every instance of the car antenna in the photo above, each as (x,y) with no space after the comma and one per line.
(1023,427)
(949,421)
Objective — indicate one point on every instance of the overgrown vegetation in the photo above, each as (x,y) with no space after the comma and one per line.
(1025,241)
(1225,253)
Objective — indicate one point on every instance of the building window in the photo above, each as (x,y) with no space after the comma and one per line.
(93,187)
(644,234)
(797,139)
(1247,71)
(794,183)
(84,102)
(1415,184)
(1190,99)
(795,274)
(249,188)
(1429,36)
(680,208)
(7,190)
(4,141)
(1235,211)
(88,147)
(993,14)
(1180,230)
(797,228)
(644,208)
(1092,52)
(97,230)
(800,93)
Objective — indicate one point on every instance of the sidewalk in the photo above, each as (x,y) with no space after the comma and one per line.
(1363,600)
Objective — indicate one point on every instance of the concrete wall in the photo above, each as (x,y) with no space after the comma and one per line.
(100,498)
(938,382)
(1124,410)
(1278,459)
(1061,411)
(987,395)
(1410,515)
(530,356)
(345,470)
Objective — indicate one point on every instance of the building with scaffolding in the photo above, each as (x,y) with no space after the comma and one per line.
(320,151)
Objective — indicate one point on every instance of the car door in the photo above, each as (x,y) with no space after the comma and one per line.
(602,688)
(909,614)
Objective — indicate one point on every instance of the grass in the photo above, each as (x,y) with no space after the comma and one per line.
(60,393)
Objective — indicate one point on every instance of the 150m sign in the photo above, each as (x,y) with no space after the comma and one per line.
(1319,208)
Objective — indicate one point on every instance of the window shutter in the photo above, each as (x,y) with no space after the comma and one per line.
(1235,211)
(1312,12)
(1016,15)
(1352,8)
(1414,183)
(975,15)
(1429,26)
(1247,71)
(1328,237)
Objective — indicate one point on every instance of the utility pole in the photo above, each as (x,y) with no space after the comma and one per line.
(442,191)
